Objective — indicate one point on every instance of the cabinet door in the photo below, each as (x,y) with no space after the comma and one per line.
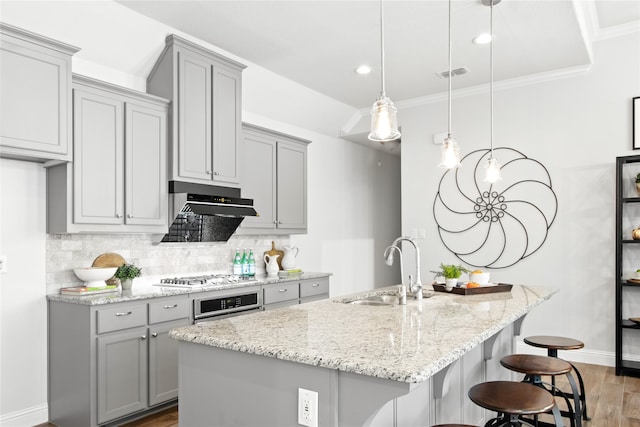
(35,90)
(163,362)
(122,373)
(98,159)
(259,179)
(194,117)
(292,185)
(226,125)
(145,166)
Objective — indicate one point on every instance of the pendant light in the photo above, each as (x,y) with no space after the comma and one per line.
(450,156)
(384,121)
(492,168)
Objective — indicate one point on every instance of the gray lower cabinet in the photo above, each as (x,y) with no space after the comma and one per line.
(314,289)
(112,362)
(275,177)
(117,181)
(35,96)
(206,91)
(282,294)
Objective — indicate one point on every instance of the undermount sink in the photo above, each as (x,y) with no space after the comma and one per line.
(377,300)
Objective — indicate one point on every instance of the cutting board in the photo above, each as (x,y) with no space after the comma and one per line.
(109,259)
(275,251)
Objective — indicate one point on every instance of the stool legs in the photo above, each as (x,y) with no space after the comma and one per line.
(552,352)
(516,421)
(573,413)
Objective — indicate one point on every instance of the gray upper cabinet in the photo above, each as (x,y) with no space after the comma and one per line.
(275,177)
(35,96)
(117,182)
(205,129)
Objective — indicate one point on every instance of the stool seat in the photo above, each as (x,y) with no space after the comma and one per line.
(555,343)
(512,397)
(535,365)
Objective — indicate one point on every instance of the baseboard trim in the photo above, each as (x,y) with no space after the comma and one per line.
(584,355)
(26,417)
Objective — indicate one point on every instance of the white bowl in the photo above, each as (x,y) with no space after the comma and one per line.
(95,276)
(480,278)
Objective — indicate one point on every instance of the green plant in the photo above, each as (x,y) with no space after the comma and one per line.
(638,179)
(450,271)
(127,271)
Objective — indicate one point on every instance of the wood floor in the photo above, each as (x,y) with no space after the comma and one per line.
(611,401)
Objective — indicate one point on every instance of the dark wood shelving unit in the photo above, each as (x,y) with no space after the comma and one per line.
(624,366)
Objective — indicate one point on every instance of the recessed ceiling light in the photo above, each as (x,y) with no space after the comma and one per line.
(482,38)
(363,69)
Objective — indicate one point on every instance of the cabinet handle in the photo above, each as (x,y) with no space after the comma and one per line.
(155,334)
(315,285)
(170,306)
(144,337)
(216,173)
(208,172)
(129,216)
(283,290)
(123,314)
(275,221)
(118,215)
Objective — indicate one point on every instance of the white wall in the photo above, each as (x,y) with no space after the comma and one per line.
(575,127)
(23,308)
(354,198)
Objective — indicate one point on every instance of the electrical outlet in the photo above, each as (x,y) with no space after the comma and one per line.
(307,408)
(3,263)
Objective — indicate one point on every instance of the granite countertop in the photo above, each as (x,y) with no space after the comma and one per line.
(402,343)
(145,288)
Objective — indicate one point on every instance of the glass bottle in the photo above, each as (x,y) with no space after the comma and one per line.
(252,263)
(237,264)
(245,263)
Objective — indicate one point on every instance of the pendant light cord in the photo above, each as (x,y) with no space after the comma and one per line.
(450,76)
(382,94)
(491,75)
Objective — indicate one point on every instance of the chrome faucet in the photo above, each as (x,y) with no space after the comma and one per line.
(402,288)
(415,283)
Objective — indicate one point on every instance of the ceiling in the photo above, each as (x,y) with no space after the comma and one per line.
(319,43)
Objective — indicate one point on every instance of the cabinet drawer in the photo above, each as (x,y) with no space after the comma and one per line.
(280,292)
(170,309)
(312,287)
(123,317)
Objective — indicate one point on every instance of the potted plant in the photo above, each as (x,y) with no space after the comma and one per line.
(126,273)
(638,183)
(451,273)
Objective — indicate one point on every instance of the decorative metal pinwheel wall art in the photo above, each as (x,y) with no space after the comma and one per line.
(495,225)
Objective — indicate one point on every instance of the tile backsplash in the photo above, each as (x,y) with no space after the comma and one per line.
(68,251)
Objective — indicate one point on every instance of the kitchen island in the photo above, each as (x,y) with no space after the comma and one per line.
(371,365)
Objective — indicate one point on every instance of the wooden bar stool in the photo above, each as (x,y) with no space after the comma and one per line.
(553,344)
(534,367)
(512,401)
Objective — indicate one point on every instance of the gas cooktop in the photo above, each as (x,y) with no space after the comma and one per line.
(203,280)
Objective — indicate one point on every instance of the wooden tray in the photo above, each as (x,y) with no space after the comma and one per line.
(633,281)
(500,287)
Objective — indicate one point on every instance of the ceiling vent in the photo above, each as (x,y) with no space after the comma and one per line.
(457,72)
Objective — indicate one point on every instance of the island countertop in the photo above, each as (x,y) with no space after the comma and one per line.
(407,343)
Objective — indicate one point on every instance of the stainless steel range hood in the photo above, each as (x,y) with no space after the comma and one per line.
(205,213)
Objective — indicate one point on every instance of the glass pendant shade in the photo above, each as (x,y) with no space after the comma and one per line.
(450,156)
(492,171)
(384,121)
